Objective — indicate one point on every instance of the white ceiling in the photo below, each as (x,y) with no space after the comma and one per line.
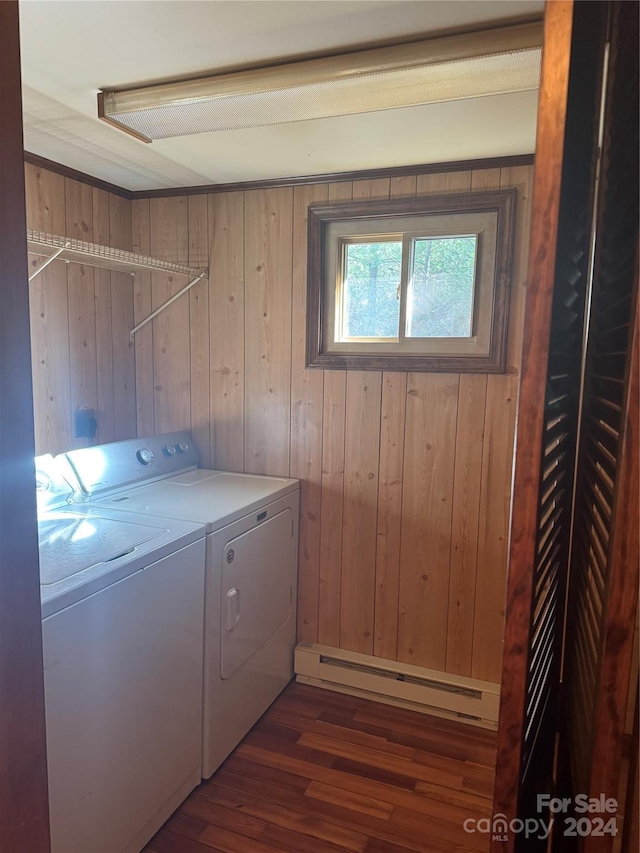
(73,48)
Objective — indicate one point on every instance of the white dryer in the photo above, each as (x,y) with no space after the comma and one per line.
(251,525)
(122,636)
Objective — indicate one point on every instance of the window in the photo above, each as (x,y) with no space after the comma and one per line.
(410,284)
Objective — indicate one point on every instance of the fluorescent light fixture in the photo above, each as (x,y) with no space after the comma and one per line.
(473,65)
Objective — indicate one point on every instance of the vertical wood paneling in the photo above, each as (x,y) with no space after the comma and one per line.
(45,201)
(226,323)
(333,426)
(402,545)
(404,186)
(142,307)
(444,182)
(79,210)
(405,477)
(268,274)
(402,553)
(495,498)
(80,319)
(49,318)
(485,179)
(392,424)
(472,392)
(360,501)
(432,402)
(360,510)
(198,234)
(330,572)
(341,191)
(82,309)
(307,388)
(371,189)
(122,321)
(169,241)
(103,320)
(120,234)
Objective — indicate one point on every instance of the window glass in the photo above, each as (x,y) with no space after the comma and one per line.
(440,296)
(371,289)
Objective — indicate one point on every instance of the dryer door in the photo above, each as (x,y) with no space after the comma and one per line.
(256,589)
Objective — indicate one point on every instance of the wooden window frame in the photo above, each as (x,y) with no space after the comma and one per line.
(382,213)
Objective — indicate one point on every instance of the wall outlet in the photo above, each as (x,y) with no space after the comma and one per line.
(85,423)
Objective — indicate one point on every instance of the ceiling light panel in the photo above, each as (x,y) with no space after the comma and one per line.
(450,69)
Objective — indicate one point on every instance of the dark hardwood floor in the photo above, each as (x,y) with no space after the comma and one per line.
(322,772)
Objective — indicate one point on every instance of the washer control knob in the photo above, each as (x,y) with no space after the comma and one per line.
(145,456)
(170,450)
(183,446)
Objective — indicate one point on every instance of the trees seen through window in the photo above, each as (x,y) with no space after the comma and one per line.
(439,292)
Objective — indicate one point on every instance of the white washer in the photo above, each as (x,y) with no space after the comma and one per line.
(122,638)
(251,523)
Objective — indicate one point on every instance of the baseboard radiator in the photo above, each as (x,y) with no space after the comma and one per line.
(428,691)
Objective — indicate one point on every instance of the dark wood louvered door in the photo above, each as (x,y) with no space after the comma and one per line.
(603,570)
(566,519)
(553,526)
(547,429)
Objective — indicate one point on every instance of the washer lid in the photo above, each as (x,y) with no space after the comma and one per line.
(71,543)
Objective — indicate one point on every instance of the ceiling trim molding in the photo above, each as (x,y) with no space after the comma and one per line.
(272,183)
(333,177)
(74,174)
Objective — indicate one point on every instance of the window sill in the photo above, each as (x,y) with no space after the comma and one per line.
(403,363)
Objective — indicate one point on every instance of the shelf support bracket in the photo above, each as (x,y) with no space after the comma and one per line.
(166,304)
(48,261)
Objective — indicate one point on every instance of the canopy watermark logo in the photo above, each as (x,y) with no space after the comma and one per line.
(568,814)
(499,827)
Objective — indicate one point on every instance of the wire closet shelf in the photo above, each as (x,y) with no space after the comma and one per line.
(53,247)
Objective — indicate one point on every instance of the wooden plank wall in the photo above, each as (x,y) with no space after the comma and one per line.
(80,317)
(405,477)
